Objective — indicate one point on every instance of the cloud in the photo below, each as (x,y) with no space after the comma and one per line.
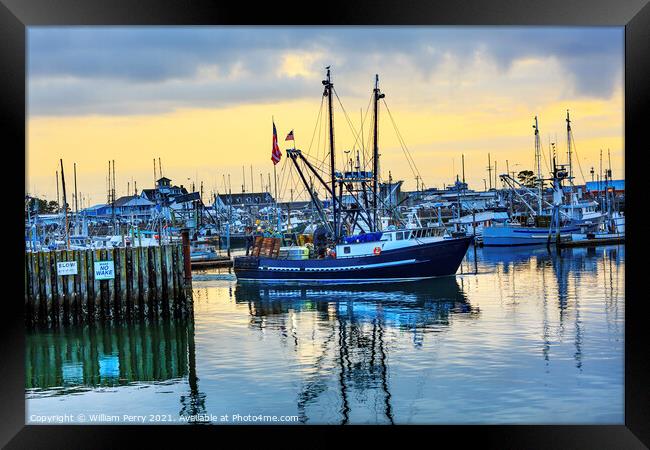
(143,70)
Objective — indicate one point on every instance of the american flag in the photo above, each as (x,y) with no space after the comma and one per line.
(290,136)
(275,153)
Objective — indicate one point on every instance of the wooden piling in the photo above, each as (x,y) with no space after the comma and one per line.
(34,286)
(63,256)
(177,282)
(41,288)
(144,266)
(82,286)
(137,280)
(48,286)
(169,271)
(89,274)
(58,304)
(110,286)
(128,273)
(158,277)
(122,278)
(97,294)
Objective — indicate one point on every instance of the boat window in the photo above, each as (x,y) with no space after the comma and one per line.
(346,250)
(399,236)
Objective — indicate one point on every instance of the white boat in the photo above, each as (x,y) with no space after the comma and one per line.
(514,234)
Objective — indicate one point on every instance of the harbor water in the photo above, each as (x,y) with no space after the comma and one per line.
(518,336)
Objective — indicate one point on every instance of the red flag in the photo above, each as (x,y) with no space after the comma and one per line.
(290,136)
(275,153)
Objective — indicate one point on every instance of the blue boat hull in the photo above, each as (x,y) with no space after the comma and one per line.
(422,261)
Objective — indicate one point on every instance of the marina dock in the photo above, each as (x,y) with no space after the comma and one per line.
(221,262)
(80,286)
(593,242)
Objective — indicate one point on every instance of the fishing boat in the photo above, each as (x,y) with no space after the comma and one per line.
(367,253)
(552,223)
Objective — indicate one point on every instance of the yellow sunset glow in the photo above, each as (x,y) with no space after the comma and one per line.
(471,108)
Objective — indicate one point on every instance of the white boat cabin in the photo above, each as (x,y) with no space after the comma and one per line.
(391,240)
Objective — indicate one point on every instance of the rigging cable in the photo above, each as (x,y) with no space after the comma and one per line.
(409,158)
(578,159)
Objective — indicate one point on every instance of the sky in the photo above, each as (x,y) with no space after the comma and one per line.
(202,99)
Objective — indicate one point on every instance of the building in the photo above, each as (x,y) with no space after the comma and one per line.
(164,192)
(130,206)
(95,210)
(134,206)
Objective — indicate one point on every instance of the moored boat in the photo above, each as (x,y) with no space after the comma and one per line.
(400,255)
(372,255)
(517,235)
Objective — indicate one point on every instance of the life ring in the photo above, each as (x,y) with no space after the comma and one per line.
(377,250)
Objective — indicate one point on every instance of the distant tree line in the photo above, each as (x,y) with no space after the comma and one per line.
(41,206)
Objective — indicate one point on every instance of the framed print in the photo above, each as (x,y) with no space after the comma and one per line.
(261,217)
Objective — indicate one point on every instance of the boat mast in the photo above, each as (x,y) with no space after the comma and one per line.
(328,93)
(113,198)
(65,207)
(538,157)
(377,95)
(489,169)
(568,138)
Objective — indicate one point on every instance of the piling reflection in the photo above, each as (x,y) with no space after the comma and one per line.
(109,354)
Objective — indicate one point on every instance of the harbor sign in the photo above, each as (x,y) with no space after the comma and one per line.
(104,270)
(66,268)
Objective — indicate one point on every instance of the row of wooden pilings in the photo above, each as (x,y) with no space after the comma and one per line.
(123,283)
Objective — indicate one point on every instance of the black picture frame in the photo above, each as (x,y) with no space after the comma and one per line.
(16,15)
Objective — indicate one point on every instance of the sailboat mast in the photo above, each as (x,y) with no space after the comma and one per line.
(328,92)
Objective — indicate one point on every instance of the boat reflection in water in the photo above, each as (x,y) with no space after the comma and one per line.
(560,272)
(358,319)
